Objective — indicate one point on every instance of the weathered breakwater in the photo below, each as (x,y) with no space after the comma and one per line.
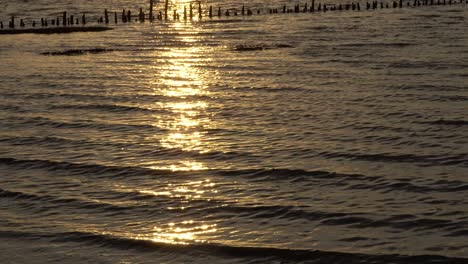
(195,11)
(54,30)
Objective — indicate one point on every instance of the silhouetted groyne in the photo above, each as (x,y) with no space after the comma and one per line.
(56,30)
(195,11)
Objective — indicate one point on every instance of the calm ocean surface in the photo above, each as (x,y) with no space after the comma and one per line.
(343,140)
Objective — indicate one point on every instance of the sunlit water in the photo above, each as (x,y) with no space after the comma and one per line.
(346,134)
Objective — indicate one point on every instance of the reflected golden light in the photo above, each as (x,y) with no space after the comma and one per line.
(183,86)
(181,92)
(184,233)
(181,165)
(188,233)
(189,190)
(181,194)
(183,141)
(185,105)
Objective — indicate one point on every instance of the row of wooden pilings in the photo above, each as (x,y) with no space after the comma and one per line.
(188,14)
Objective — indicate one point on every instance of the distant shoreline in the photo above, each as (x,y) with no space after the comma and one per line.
(54,30)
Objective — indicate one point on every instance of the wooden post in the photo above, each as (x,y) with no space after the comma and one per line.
(72,20)
(64,18)
(124,18)
(1,25)
(106,16)
(185,13)
(21,23)
(115,17)
(312,7)
(83,19)
(175,15)
(243,10)
(199,10)
(190,11)
(142,15)
(151,11)
(219,11)
(166,6)
(210,14)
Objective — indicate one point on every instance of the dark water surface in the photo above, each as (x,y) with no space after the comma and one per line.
(321,138)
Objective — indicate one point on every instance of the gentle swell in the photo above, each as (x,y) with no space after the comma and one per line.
(249,253)
(444,122)
(347,181)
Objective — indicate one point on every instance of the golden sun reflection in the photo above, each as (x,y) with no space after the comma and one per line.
(182,85)
(184,141)
(184,165)
(183,233)
(188,191)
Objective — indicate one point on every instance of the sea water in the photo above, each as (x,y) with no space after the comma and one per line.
(337,137)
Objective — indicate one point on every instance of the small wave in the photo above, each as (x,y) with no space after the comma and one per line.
(36,140)
(105,107)
(46,122)
(75,52)
(383,44)
(428,15)
(427,87)
(259,46)
(224,21)
(249,253)
(47,200)
(81,168)
(12,108)
(446,122)
(353,181)
(427,160)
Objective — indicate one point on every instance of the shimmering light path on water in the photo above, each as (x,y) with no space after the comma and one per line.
(344,138)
